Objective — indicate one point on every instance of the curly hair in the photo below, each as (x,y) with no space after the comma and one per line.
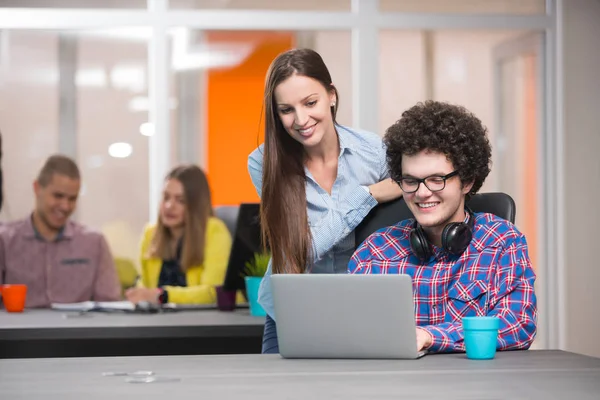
(444,128)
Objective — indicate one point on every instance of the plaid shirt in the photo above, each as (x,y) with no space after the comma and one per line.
(492,277)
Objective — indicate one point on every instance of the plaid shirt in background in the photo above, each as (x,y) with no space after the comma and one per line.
(492,277)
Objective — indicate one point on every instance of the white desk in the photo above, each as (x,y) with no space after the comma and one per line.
(47,333)
(512,375)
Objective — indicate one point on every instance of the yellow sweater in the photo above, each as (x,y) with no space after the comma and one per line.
(201,279)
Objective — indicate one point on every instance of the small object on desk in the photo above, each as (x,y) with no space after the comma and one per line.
(196,307)
(77,314)
(225,299)
(134,373)
(147,307)
(252,288)
(13,297)
(188,307)
(152,379)
(481,337)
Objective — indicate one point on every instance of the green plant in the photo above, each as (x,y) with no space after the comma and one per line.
(258,265)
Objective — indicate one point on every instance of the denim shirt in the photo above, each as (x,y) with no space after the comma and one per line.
(332,218)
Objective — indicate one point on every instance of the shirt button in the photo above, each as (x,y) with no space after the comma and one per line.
(434,306)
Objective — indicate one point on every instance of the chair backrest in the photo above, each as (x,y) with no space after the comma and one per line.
(386,214)
(126,272)
(229,215)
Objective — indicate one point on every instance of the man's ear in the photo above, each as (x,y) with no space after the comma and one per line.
(467,187)
(36,187)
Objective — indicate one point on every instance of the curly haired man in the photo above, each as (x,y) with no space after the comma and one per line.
(461,263)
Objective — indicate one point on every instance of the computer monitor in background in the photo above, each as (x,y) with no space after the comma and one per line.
(246,242)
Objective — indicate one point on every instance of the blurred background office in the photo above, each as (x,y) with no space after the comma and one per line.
(130,88)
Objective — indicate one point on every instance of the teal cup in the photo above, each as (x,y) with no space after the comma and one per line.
(252,287)
(481,337)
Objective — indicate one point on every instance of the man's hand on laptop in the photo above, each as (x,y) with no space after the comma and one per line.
(424,339)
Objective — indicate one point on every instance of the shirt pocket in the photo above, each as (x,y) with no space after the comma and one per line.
(317,216)
(466,299)
(73,276)
(78,262)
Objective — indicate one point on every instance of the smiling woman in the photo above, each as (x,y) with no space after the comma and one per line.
(317,179)
(307,118)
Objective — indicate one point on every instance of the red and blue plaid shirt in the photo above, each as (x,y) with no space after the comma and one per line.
(492,277)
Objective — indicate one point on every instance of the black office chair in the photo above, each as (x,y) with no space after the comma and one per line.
(386,214)
(228,214)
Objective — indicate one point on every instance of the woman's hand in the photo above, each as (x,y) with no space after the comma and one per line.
(136,295)
(386,190)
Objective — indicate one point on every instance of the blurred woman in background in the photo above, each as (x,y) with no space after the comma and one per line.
(184,256)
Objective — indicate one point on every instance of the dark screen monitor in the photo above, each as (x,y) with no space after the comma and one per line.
(246,242)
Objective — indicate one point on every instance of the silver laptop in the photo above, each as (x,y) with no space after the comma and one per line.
(345,316)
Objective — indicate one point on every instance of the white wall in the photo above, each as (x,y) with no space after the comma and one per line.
(28,114)
(115,198)
(581,63)
(402,77)
(110,73)
(336,49)
(464,74)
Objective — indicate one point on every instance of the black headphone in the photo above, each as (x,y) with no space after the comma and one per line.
(456,237)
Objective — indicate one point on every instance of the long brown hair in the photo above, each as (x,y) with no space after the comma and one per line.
(198,209)
(283,214)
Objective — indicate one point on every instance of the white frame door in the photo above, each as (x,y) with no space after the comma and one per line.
(507,160)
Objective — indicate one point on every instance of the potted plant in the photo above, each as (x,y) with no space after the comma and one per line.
(254,271)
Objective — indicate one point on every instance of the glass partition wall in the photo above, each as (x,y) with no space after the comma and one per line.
(130,88)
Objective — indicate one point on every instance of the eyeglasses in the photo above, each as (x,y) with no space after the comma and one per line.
(434,183)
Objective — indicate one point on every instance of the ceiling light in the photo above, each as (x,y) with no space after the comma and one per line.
(120,150)
(147,129)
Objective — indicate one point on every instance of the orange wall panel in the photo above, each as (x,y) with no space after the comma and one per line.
(234,113)
(530,192)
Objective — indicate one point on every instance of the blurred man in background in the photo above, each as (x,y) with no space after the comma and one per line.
(60,261)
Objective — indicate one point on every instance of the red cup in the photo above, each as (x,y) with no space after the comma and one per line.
(13,297)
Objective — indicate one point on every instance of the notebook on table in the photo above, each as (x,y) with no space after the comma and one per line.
(94,306)
(127,306)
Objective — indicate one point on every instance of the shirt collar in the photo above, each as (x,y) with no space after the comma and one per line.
(30,231)
(347,141)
